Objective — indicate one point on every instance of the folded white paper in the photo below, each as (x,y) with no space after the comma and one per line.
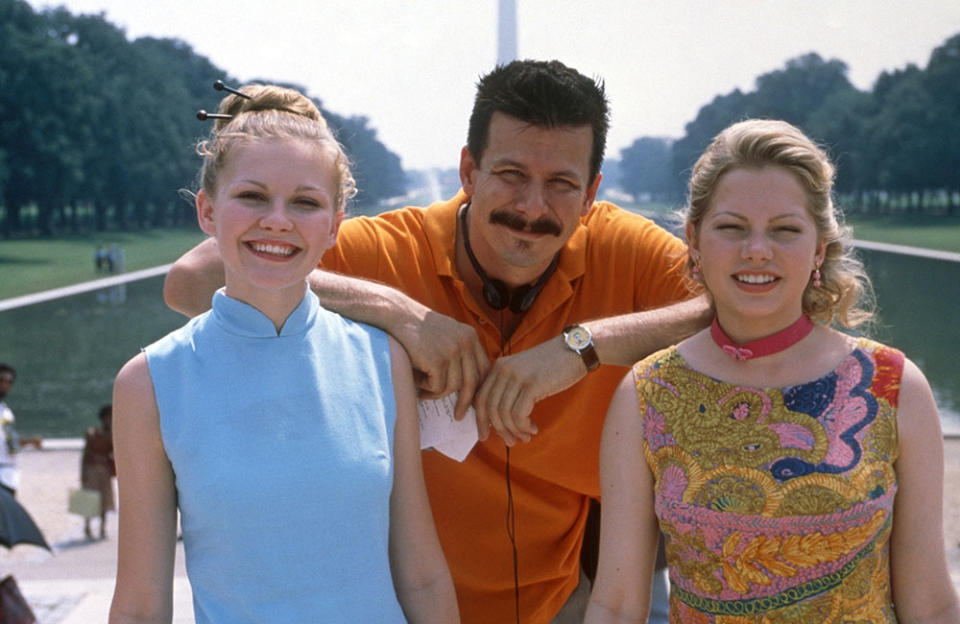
(439,430)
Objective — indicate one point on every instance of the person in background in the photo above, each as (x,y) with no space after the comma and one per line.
(12,441)
(100,259)
(286,435)
(796,471)
(97,467)
(524,269)
(115,258)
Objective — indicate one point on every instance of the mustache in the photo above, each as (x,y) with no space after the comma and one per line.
(543,225)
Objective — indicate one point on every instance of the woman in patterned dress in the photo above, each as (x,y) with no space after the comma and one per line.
(796,471)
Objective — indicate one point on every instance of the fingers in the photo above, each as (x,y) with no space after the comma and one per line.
(422,381)
(488,412)
(483,418)
(467,389)
(454,376)
(431,380)
(504,402)
(449,357)
(480,359)
(475,367)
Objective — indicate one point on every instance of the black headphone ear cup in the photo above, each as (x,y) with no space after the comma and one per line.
(494,293)
(524,296)
(522,299)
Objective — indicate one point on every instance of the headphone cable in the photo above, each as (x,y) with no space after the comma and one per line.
(511,511)
(512,533)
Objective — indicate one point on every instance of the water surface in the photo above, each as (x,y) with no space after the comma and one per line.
(67,351)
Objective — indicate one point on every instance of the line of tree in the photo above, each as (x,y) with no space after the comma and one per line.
(97,131)
(897,146)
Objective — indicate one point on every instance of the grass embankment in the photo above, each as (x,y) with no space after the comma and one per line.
(941,233)
(30,266)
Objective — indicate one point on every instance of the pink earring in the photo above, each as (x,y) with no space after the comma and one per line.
(695,272)
(816,276)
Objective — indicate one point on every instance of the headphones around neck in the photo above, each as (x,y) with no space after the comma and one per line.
(495,292)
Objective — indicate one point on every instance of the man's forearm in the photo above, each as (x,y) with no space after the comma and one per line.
(367,302)
(624,340)
(192,280)
(446,354)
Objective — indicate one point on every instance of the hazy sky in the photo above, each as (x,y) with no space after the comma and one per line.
(411,65)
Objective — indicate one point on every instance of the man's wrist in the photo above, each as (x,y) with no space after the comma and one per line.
(578,339)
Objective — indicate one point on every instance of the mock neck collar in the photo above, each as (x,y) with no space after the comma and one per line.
(242,319)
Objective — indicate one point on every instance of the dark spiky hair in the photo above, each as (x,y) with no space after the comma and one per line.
(542,93)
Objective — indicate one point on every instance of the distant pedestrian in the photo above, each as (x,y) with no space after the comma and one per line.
(112,257)
(11,443)
(97,467)
(100,259)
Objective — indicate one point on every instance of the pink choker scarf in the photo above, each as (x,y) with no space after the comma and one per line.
(783,339)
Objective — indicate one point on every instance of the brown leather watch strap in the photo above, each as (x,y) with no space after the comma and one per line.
(579,340)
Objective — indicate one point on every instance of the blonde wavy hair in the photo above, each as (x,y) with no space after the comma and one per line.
(845,296)
(272,112)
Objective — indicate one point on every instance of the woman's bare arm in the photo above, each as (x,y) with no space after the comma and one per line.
(628,524)
(420,573)
(147,539)
(922,589)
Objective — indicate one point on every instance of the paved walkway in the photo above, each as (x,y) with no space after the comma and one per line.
(74,584)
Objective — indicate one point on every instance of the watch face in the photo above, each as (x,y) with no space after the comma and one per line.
(578,338)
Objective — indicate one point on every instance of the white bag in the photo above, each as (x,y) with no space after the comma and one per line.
(85,503)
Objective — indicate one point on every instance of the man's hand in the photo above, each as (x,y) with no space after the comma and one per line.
(517,382)
(447,356)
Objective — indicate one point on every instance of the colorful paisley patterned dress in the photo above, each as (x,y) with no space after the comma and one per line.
(776,503)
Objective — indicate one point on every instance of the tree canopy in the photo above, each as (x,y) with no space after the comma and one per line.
(900,138)
(97,131)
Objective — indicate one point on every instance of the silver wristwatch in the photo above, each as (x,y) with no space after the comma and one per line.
(579,340)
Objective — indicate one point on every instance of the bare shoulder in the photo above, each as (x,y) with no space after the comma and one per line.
(134,378)
(914,387)
(918,419)
(624,411)
(134,402)
(913,379)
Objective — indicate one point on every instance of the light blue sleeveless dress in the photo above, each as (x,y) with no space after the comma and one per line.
(282,448)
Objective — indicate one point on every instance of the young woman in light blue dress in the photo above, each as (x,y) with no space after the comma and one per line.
(285,435)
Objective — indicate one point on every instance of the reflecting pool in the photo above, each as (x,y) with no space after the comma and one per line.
(67,351)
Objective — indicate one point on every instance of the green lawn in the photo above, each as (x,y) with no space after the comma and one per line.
(29,266)
(941,233)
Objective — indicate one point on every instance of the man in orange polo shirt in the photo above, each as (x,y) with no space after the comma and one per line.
(528,298)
